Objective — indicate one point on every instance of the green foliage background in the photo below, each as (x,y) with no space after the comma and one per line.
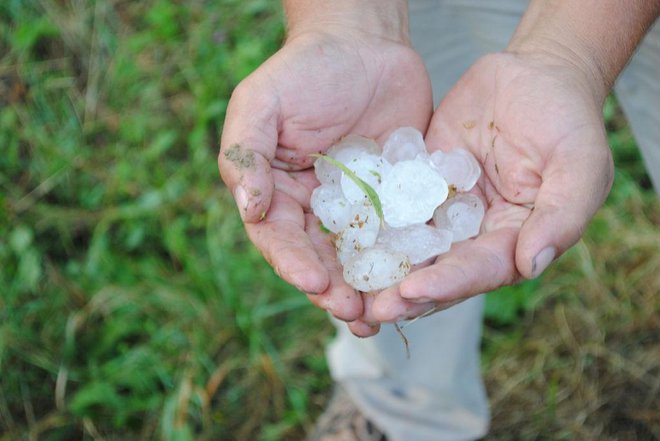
(132,307)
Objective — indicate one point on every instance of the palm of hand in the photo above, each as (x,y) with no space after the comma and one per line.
(327,88)
(539,135)
(315,90)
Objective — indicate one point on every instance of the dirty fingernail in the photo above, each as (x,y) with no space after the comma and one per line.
(241,197)
(542,260)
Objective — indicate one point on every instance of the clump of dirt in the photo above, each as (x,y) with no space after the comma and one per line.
(241,158)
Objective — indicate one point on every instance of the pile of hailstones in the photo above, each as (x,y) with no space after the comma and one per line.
(414,187)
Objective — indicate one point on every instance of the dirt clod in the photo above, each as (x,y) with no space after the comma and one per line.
(241,158)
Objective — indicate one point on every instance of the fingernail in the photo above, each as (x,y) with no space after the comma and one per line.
(241,197)
(542,260)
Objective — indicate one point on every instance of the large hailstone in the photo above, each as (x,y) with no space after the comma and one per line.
(370,168)
(458,166)
(331,207)
(419,242)
(376,268)
(347,149)
(410,193)
(404,144)
(360,233)
(462,215)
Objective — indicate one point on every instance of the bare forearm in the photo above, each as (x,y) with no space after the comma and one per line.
(386,19)
(599,34)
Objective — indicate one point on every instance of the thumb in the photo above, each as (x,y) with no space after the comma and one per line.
(248,143)
(574,186)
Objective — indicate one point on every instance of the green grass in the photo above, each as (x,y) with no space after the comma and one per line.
(132,306)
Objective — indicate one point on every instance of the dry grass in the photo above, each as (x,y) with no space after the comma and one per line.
(586,365)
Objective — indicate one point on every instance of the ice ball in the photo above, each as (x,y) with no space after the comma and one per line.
(403,144)
(411,192)
(347,149)
(462,215)
(331,207)
(368,167)
(458,166)
(419,242)
(360,233)
(376,268)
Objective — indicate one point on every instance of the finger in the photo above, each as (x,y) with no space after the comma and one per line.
(472,267)
(390,307)
(576,182)
(363,329)
(306,178)
(368,299)
(294,185)
(298,158)
(248,143)
(282,240)
(339,299)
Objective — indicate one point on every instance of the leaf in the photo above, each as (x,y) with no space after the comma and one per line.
(366,188)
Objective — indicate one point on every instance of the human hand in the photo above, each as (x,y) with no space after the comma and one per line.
(533,116)
(535,124)
(320,86)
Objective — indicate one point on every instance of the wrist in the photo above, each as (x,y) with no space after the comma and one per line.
(596,36)
(556,53)
(381,19)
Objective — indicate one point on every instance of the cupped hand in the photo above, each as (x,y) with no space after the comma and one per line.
(316,89)
(535,124)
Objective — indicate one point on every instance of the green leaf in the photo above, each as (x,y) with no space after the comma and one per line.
(94,394)
(366,188)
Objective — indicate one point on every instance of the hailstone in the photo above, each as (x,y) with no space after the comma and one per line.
(412,187)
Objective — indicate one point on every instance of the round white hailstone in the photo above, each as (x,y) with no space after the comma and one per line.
(368,167)
(462,215)
(360,233)
(410,193)
(458,166)
(404,144)
(418,242)
(326,173)
(376,268)
(331,207)
(348,148)
(354,141)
